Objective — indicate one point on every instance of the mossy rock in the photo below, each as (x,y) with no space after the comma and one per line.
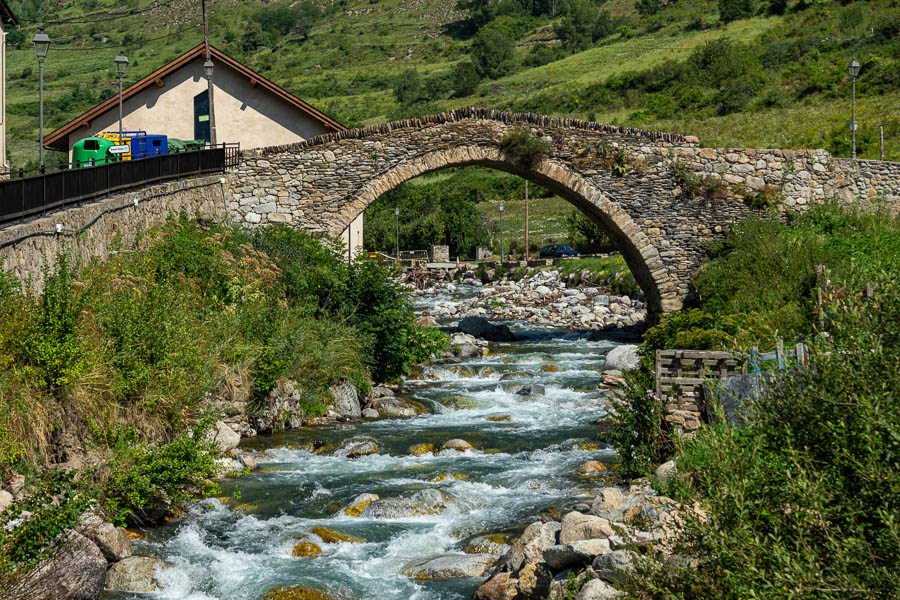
(589,446)
(464,372)
(420,449)
(360,503)
(295,593)
(500,418)
(458,402)
(549,368)
(485,372)
(304,549)
(330,536)
(444,476)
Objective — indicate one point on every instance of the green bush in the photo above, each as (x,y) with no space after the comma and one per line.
(465,79)
(804,501)
(147,481)
(493,52)
(408,87)
(583,24)
(732,10)
(523,148)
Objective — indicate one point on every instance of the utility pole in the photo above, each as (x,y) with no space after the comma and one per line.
(209,81)
(526,220)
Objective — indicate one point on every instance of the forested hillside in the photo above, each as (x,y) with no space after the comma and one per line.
(764,73)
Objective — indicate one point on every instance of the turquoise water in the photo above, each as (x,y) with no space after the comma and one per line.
(520,468)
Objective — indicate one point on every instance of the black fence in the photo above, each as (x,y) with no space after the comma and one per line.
(26,196)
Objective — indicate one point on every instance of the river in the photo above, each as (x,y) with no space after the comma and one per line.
(237,548)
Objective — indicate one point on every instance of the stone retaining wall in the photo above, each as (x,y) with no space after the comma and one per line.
(108,225)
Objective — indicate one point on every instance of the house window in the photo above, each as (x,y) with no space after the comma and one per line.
(201,116)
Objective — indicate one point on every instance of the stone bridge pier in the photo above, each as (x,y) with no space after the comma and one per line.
(628,181)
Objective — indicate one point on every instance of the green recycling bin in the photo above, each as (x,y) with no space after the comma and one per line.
(92,151)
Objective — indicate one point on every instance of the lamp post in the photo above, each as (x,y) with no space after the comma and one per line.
(397,231)
(121,62)
(501,231)
(208,68)
(853,70)
(41,47)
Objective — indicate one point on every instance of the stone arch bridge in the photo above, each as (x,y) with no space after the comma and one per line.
(658,219)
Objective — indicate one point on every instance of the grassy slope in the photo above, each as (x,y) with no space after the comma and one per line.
(349,59)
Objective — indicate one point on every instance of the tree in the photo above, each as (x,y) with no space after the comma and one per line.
(465,79)
(408,87)
(583,24)
(732,10)
(492,53)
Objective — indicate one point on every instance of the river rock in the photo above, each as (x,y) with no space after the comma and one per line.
(392,407)
(531,389)
(112,541)
(331,536)
(134,574)
(665,471)
(530,546)
(380,391)
(623,358)
(358,449)
(420,449)
(458,445)
(484,329)
(591,467)
(225,437)
(76,572)
(450,566)
(295,593)
(513,375)
(370,413)
(562,556)
(577,526)
(280,409)
(426,322)
(359,504)
(609,498)
(346,401)
(421,503)
(305,549)
(597,589)
(614,566)
(494,544)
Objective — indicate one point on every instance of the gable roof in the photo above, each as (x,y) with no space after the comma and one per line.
(58,139)
(6,14)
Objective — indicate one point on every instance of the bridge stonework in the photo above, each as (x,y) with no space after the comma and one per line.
(324,183)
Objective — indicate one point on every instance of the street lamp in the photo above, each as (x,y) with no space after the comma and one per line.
(853,70)
(121,62)
(41,47)
(397,230)
(208,68)
(501,232)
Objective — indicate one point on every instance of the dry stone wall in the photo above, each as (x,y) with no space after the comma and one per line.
(322,184)
(96,229)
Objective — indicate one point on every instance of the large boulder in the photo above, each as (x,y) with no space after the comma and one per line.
(458,445)
(530,546)
(614,566)
(346,401)
(5,500)
(623,358)
(76,572)
(449,566)
(112,541)
(578,526)
(532,582)
(280,409)
(562,556)
(134,574)
(421,503)
(665,471)
(392,407)
(484,329)
(225,437)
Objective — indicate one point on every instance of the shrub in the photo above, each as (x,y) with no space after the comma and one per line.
(732,10)
(524,149)
(803,501)
(585,235)
(583,24)
(408,87)
(465,79)
(492,52)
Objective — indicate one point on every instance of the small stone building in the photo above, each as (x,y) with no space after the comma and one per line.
(173,100)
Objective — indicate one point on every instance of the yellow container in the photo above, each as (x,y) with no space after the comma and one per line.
(123,141)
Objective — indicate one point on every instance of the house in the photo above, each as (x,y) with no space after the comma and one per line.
(173,100)
(6,18)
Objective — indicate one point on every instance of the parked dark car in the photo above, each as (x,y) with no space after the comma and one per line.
(558,251)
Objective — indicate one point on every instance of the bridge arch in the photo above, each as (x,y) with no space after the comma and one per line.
(641,256)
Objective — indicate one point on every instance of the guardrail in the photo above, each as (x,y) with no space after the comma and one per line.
(27,196)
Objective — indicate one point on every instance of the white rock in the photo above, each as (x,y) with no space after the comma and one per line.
(623,358)
(597,589)
(665,470)
(225,437)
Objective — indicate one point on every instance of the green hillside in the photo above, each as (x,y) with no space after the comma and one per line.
(764,79)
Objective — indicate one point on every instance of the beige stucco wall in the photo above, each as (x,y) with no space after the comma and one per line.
(252,116)
(352,237)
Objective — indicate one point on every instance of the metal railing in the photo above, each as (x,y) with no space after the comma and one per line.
(71,184)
